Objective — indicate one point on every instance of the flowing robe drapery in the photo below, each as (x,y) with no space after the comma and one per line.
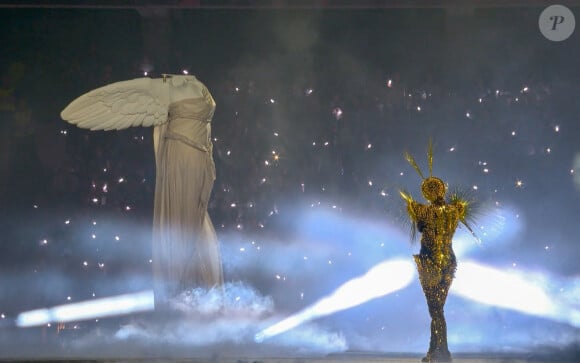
(185,246)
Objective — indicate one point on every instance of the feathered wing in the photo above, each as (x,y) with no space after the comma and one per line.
(467,208)
(120,105)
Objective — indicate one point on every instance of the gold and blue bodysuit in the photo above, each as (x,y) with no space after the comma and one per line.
(436,263)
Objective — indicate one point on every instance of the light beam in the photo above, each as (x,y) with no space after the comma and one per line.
(91,309)
(511,290)
(384,278)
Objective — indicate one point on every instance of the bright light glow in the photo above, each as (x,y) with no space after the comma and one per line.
(382,279)
(523,292)
(117,305)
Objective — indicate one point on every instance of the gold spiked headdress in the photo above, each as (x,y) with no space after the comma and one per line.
(432,187)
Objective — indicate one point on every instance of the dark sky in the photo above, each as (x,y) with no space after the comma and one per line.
(339,95)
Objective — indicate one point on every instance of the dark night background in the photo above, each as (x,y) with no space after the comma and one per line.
(338,95)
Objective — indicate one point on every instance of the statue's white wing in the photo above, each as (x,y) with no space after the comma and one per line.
(137,102)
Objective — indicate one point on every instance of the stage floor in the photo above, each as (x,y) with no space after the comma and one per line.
(335,358)
(103,344)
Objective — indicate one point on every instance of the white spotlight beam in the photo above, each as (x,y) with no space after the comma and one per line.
(91,309)
(384,278)
(511,290)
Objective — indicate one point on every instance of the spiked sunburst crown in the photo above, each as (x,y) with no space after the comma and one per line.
(432,187)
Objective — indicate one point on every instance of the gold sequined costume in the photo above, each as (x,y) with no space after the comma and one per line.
(436,262)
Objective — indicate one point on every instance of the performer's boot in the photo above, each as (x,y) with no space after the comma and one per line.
(438,350)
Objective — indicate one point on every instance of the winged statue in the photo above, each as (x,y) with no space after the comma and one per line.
(180,109)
